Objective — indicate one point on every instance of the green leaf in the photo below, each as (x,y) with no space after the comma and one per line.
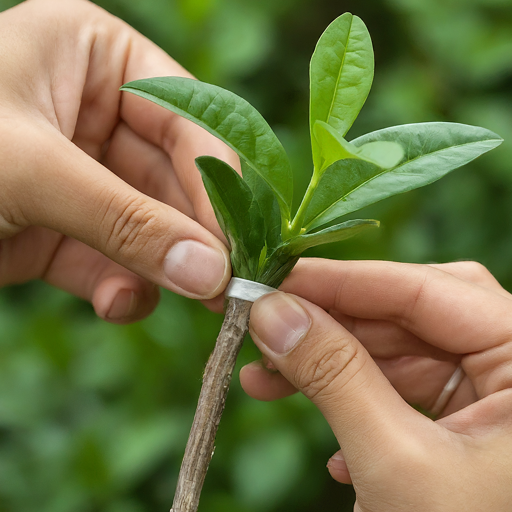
(268,205)
(331,234)
(334,147)
(336,184)
(231,119)
(277,266)
(238,214)
(431,151)
(341,75)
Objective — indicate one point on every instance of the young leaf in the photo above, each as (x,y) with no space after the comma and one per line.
(341,75)
(230,118)
(331,234)
(432,150)
(334,147)
(268,205)
(238,214)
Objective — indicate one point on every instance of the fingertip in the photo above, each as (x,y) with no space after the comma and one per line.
(216,305)
(338,468)
(278,323)
(198,269)
(263,384)
(123,300)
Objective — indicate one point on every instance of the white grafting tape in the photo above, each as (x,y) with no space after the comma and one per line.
(246,290)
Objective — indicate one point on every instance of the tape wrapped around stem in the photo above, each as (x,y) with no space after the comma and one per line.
(246,290)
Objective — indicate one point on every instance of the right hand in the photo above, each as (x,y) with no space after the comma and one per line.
(418,322)
(100,195)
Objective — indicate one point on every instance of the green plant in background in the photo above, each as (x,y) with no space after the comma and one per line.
(255,210)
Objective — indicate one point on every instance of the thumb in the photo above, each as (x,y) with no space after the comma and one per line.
(71,193)
(324,361)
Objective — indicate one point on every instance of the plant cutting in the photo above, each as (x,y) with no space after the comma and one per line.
(255,210)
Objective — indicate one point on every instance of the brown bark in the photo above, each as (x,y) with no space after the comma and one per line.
(216,380)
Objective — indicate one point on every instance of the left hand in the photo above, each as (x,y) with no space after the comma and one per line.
(99,192)
(419,322)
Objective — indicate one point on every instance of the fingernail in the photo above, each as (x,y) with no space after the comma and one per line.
(337,461)
(338,456)
(197,269)
(279,322)
(123,305)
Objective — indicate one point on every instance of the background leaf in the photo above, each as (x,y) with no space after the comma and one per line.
(272,454)
(341,75)
(230,118)
(235,209)
(431,151)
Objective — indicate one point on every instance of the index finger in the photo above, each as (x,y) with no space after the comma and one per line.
(181,139)
(436,306)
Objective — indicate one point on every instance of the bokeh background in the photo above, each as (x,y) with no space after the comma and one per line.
(94,417)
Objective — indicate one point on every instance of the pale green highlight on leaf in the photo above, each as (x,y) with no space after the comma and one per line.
(230,118)
(334,147)
(341,75)
(385,154)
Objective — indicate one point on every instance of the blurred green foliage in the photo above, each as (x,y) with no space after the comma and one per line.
(94,417)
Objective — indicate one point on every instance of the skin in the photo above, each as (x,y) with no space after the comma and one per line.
(372,336)
(97,185)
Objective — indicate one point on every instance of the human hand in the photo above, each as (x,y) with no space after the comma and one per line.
(100,195)
(419,323)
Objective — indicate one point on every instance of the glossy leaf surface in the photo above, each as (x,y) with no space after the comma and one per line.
(230,118)
(238,214)
(341,75)
(431,151)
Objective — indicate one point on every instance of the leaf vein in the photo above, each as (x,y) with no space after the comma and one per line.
(345,51)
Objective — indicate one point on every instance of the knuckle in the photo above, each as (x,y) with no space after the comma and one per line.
(489,369)
(418,292)
(130,224)
(473,270)
(17,177)
(325,373)
(12,220)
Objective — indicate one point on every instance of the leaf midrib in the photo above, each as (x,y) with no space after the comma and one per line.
(389,171)
(340,71)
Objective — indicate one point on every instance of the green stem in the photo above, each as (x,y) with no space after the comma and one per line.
(296,224)
(285,228)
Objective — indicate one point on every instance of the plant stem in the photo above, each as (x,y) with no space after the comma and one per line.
(298,220)
(216,380)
